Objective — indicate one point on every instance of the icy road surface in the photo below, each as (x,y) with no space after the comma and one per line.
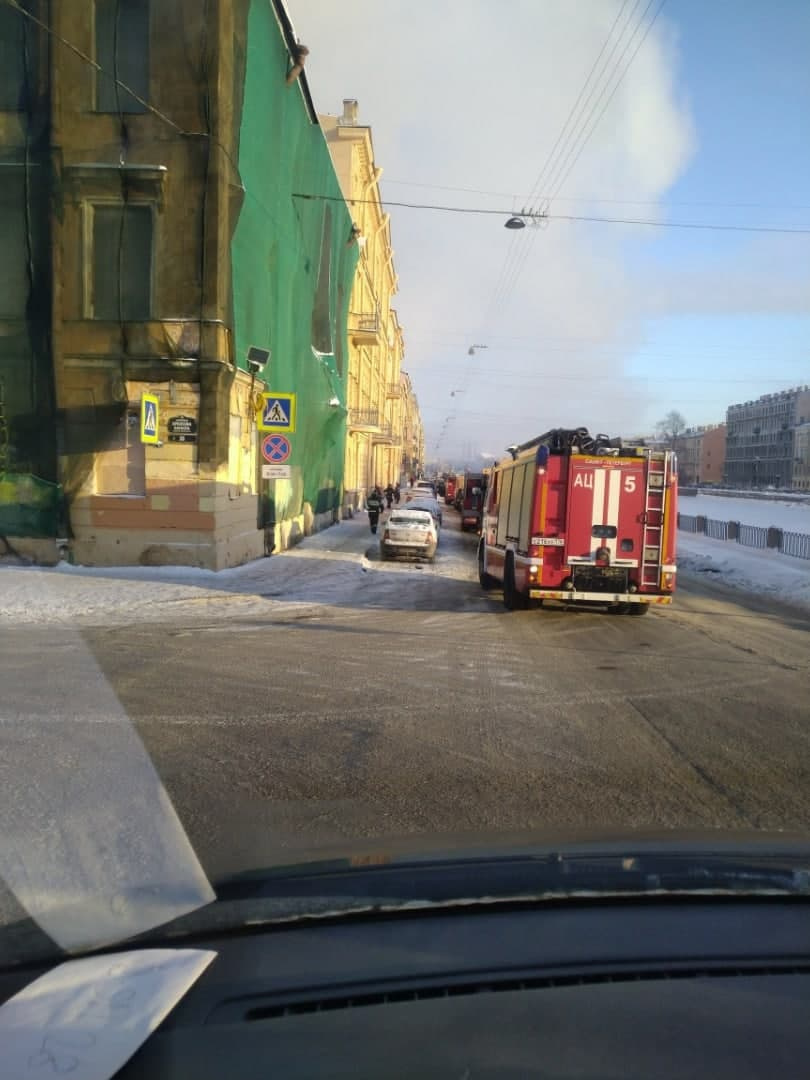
(333,567)
(321,701)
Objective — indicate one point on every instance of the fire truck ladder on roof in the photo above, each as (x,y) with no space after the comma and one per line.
(653,538)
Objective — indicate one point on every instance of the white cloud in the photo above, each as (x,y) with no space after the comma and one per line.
(474,94)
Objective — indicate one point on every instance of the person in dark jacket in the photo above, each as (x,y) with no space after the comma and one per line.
(374,506)
(389,495)
(397,494)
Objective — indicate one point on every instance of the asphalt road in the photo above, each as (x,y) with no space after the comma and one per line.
(388,700)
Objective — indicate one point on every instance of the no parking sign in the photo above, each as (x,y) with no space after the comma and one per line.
(276,449)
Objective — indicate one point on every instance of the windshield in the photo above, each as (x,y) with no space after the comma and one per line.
(414,518)
(273,269)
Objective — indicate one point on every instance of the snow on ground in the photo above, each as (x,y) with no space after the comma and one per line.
(794,516)
(340,566)
(753,570)
(332,567)
(763,572)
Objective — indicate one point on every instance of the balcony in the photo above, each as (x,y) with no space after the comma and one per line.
(365,328)
(385,434)
(393,390)
(365,420)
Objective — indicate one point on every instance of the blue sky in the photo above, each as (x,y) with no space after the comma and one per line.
(746,76)
(606,325)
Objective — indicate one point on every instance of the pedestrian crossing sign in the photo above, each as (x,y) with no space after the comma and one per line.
(150,411)
(277,412)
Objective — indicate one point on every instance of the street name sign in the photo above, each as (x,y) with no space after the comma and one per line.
(275,472)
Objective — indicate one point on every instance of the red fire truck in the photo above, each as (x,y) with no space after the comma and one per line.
(469,500)
(578,518)
(449,490)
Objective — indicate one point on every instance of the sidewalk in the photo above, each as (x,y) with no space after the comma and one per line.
(328,562)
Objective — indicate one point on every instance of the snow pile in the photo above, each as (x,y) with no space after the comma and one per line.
(337,567)
(762,572)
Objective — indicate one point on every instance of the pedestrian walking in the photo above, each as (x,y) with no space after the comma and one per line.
(389,495)
(374,506)
(397,494)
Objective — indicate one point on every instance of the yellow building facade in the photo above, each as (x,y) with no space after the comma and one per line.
(380,406)
(134,253)
(413,433)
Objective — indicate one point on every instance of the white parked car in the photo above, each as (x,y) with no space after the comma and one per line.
(419,501)
(409,532)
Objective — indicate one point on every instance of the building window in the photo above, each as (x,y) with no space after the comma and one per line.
(12,58)
(321,330)
(13,249)
(121,238)
(122,50)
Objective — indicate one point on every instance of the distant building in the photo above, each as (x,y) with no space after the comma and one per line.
(760,438)
(413,434)
(801,456)
(701,454)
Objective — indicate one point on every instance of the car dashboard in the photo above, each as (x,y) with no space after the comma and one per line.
(699,987)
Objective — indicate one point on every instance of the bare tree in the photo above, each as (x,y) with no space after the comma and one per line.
(671,426)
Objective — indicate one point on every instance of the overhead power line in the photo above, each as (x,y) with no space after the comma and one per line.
(148,105)
(93,64)
(592,218)
(576,150)
(585,95)
(716,204)
(518,252)
(589,376)
(586,123)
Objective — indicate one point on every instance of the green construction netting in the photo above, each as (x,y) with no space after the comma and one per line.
(292,267)
(28,500)
(29,506)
